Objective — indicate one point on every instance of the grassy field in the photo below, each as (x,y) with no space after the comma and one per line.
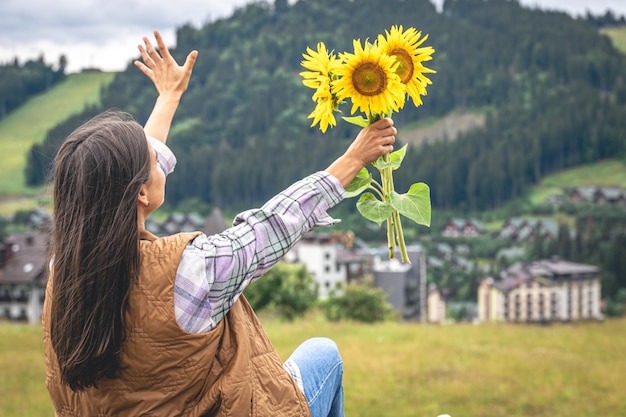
(411,370)
(617,35)
(30,123)
(604,173)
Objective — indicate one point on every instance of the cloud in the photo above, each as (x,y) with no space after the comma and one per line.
(64,20)
(96,33)
(579,7)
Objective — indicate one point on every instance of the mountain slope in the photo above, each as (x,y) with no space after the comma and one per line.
(30,122)
(555,88)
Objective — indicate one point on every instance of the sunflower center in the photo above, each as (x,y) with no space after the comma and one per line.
(369,79)
(405,64)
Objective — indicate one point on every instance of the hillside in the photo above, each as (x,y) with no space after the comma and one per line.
(523,113)
(617,35)
(30,123)
(446,127)
(607,173)
(554,102)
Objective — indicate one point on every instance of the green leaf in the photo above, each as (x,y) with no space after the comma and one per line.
(415,204)
(395,159)
(357,120)
(373,209)
(359,184)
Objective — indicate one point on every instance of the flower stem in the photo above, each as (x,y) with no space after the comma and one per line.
(387,189)
(400,234)
(391,242)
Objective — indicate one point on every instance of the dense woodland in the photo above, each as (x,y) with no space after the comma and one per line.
(20,81)
(554,88)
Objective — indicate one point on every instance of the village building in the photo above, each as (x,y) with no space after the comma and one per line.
(525,229)
(331,259)
(436,305)
(611,196)
(541,291)
(404,283)
(215,223)
(463,228)
(23,276)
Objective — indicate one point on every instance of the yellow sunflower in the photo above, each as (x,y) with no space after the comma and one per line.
(325,108)
(321,65)
(404,46)
(368,78)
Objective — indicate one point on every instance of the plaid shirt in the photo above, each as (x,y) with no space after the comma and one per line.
(214,270)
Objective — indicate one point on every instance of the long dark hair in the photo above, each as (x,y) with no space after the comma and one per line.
(98,172)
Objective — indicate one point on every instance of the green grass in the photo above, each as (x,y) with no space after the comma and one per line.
(617,35)
(609,172)
(31,122)
(413,370)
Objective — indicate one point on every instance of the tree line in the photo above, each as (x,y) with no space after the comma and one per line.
(20,81)
(554,89)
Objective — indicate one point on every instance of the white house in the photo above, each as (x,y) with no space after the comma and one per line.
(329,259)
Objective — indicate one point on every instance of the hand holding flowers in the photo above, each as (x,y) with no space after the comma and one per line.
(376,78)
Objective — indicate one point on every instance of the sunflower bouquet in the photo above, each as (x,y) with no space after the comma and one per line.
(377,78)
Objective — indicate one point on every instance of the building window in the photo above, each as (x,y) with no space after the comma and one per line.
(327,269)
(506,307)
(5,294)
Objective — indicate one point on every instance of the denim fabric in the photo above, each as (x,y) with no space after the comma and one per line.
(321,370)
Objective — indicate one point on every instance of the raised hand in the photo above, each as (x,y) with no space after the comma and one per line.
(169,78)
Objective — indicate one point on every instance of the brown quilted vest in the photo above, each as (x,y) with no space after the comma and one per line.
(232,370)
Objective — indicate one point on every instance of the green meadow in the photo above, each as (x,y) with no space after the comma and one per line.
(31,122)
(617,35)
(415,370)
(608,173)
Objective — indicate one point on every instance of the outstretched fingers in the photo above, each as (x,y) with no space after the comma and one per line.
(190,61)
(165,53)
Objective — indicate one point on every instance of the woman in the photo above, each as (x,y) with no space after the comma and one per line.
(139,325)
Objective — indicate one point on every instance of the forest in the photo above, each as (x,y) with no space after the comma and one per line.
(20,81)
(554,90)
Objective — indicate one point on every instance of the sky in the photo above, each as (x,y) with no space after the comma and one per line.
(105,33)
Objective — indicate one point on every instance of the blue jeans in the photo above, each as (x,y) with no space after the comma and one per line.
(321,370)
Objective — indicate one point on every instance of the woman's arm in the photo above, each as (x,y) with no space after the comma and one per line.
(215,270)
(169,78)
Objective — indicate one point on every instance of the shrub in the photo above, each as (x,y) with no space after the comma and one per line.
(362,303)
(287,289)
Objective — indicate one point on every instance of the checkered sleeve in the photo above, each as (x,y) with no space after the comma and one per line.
(214,270)
(165,157)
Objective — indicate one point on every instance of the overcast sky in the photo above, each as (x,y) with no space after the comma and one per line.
(105,33)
